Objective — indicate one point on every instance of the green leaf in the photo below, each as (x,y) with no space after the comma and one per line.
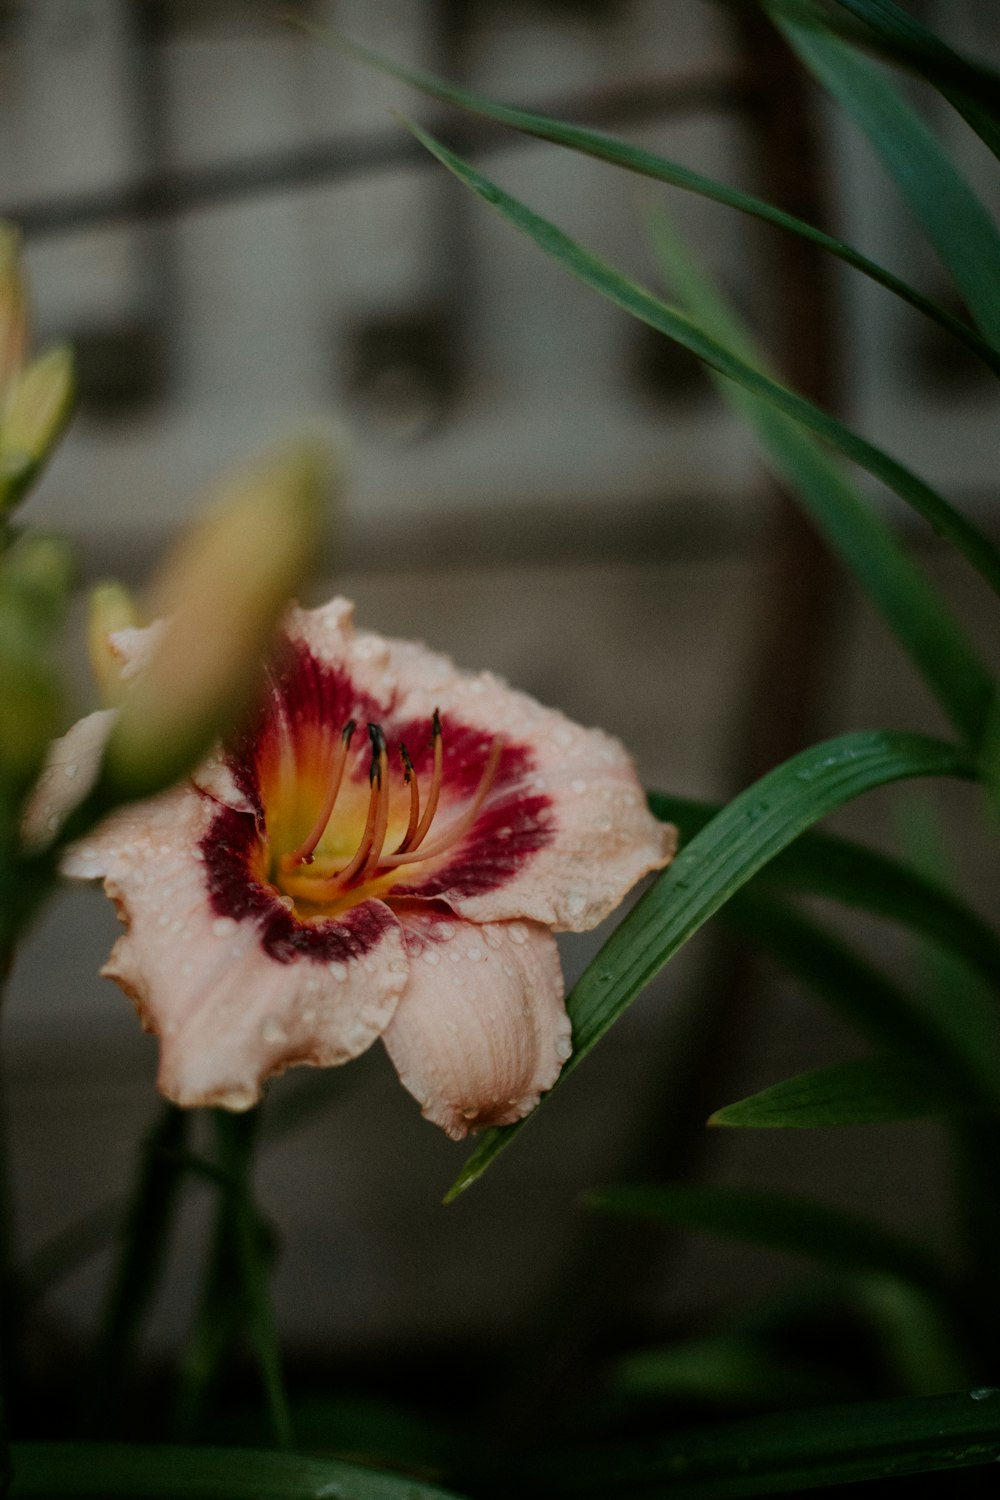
(234,1136)
(92,1471)
(821,864)
(641,304)
(866,1091)
(145,1243)
(957,1034)
(726,1368)
(649,164)
(748,833)
(972,88)
(895,585)
(779,1221)
(791,1451)
(955,222)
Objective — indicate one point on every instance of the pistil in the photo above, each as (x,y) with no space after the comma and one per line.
(303,855)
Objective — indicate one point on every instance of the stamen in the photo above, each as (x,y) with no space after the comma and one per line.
(410,779)
(378,815)
(303,855)
(459,829)
(380,774)
(435,791)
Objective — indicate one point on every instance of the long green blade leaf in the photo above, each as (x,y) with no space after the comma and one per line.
(823,864)
(649,164)
(866,1091)
(971,88)
(90,1471)
(643,305)
(895,585)
(778,1221)
(791,1451)
(741,840)
(955,222)
(957,1034)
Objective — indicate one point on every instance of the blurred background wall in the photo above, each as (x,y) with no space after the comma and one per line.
(240,239)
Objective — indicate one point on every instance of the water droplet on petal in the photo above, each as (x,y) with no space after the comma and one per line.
(517,933)
(430,956)
(272,1032)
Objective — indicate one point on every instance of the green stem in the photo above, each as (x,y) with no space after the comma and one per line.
(143,1253)
(8,1291)
(235,1136)
(216,1330)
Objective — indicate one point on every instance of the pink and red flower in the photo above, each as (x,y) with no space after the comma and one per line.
(384,850)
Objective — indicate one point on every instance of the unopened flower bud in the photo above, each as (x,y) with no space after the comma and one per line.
(37,409)
(221,593)
(15,314)
(35,578)
(110,608)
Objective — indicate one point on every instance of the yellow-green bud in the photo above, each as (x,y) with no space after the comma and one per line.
(35,577)
(222,593)
(15,311)
(110,608)
(37,409)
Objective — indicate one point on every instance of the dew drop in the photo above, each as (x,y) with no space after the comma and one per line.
(474,955)
(517,933)
(578,785)
(430,956)
(339,971)
(272,1032)
(71,769)
(470,1112)
(455,956)
(563,1048)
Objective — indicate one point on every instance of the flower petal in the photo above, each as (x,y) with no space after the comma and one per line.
(481,1030)
(565,831)
(71,768)
(230,1014)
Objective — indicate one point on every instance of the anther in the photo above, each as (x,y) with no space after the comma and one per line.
(410,780)
(434,794)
